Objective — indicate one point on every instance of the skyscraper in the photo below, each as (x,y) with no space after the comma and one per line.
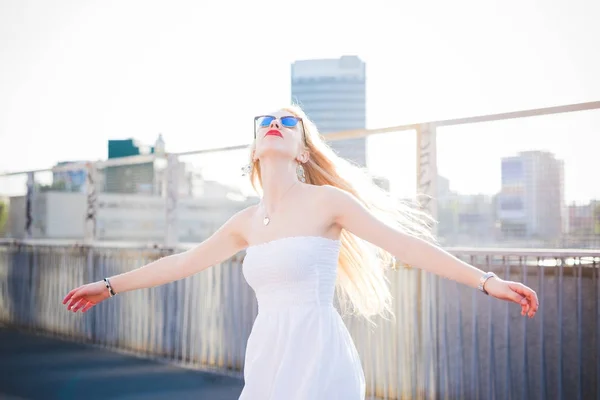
(332,93)
(532,199)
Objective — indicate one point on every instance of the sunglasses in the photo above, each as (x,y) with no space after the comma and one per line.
(289,121)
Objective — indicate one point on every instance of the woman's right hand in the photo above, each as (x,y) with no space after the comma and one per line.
(85,297)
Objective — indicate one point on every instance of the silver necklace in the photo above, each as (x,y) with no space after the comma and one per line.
(267,219)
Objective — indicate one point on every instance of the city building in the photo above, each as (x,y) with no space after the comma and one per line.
(3,215)
(332,92)
(133,178)
(531,203)
(582,219)
(72,180)
(583,225)
(464,219)
(130,201)
(136,217)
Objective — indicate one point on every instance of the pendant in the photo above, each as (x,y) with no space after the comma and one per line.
(266,221)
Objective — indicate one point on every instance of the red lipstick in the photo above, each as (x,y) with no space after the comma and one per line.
(274,132)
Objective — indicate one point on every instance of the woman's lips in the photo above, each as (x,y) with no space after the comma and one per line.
(274,132)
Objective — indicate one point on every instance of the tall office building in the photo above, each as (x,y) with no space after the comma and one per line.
(332,93)
(531,203)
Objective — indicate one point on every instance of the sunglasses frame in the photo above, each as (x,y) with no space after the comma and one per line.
(279,118)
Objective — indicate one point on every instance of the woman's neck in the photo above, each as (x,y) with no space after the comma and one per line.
(277,176)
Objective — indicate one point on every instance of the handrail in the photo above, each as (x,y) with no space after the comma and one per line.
(475,251)
(341,135)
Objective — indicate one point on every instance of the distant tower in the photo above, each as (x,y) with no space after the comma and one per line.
(532,199)
(332,93)
(159,146)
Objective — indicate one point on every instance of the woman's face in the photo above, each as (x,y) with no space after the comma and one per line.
(279,133)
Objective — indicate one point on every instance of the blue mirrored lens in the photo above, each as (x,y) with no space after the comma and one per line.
(289,121)
(266,121)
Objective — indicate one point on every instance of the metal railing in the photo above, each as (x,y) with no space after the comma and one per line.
(446,341)
(164,197)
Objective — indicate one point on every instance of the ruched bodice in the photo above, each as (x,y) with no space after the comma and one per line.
(294,271)
(299,347)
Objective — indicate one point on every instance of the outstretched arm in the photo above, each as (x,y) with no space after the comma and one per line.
(223,244)
(351,215)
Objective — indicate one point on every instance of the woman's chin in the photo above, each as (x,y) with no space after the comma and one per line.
(274,151)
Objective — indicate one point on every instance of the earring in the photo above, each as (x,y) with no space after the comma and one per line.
(300,173)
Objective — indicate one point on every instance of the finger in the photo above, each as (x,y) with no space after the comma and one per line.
(74,305)
(535,305)
(530,298)
(80,305)
(522,290)
(516,297)
(69,295)
(74,301)
(88,306)
(73,298)
(71,303)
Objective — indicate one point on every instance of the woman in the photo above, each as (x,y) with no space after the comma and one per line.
(312,232)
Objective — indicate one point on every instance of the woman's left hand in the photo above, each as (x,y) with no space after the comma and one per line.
(515,292)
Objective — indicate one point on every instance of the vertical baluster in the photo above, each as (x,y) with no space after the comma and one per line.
(508,386)
(475,368)
(596,283)
(559,380)
(579,329)
(523,262)
(491,363)
(540,317)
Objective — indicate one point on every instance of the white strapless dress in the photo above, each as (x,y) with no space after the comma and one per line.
(299,347)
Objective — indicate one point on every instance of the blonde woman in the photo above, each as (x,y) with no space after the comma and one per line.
(321,224)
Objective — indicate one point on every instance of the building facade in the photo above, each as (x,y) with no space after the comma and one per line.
(332,92)
(531,202)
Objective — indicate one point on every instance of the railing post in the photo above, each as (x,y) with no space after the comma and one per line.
(172,197)
(29,204)
(427,299)
(91,212)
(427,168)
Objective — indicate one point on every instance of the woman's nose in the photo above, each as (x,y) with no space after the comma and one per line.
(275,124)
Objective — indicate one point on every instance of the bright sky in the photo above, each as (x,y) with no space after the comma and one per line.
(76,73)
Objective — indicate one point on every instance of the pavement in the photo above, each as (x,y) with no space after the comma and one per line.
(39,367)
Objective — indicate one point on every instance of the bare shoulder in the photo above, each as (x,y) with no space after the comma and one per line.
(331,194)
(333,198)
(226,241)
(245,214)
(235,229)
(238,224)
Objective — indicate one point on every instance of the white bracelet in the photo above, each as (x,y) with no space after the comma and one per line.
(484,279)
(111,292)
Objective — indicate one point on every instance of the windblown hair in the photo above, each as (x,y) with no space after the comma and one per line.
(361,287)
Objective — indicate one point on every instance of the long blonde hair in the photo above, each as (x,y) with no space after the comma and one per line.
(361,286)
